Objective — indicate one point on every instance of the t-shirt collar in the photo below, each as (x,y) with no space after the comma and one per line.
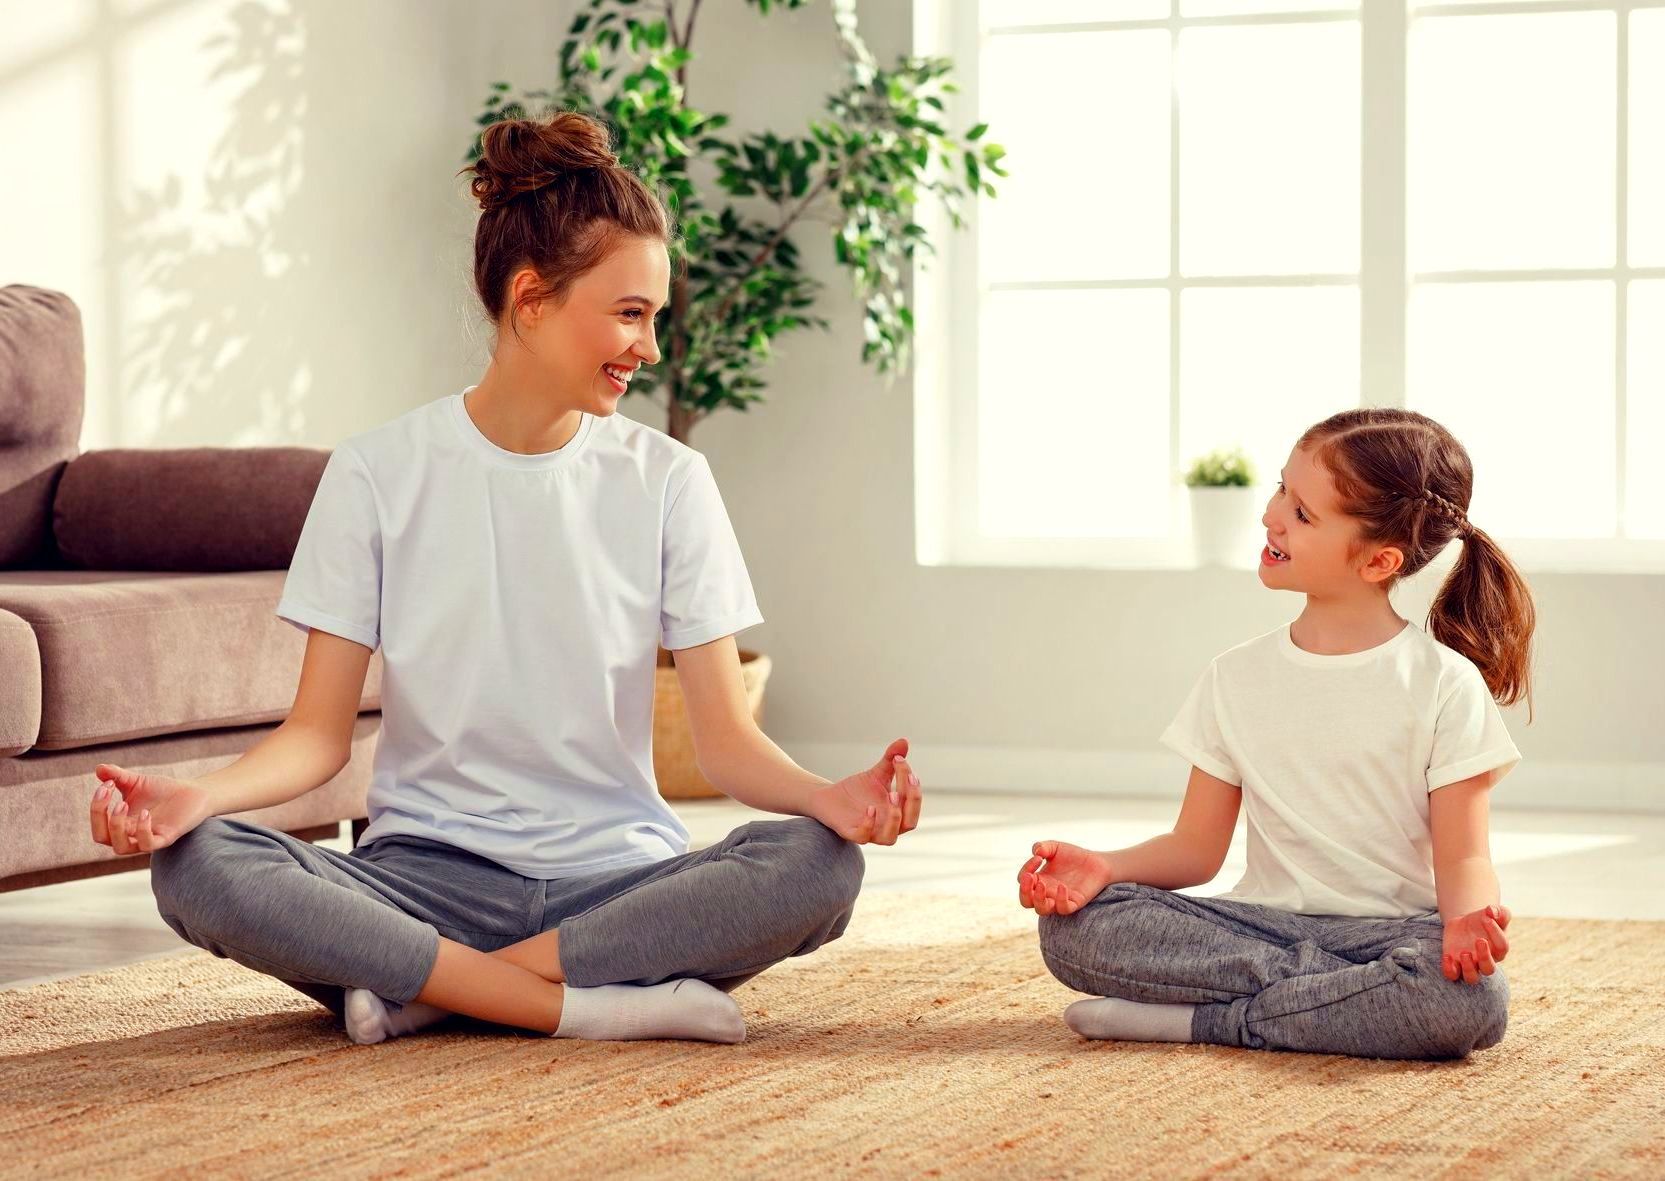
(543,460)
(1286,644)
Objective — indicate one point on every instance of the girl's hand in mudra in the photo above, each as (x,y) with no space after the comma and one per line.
(1062,878)
(1474,943)
(874,806)
(135,813)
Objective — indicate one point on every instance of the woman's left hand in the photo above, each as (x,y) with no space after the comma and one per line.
(874,806)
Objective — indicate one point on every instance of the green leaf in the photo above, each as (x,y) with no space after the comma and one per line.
(879,150)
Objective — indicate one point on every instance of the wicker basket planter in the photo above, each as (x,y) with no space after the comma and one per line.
(673,743)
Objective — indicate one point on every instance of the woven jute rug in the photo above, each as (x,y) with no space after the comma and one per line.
(926,1042)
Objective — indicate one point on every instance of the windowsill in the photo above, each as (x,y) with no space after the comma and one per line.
(1608,556)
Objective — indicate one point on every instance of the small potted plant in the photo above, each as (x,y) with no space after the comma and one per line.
(1222,507)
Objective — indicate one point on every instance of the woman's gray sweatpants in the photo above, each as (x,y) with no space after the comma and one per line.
(1268,979)
(324,921)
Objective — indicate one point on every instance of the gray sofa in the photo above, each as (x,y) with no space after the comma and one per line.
(137,591)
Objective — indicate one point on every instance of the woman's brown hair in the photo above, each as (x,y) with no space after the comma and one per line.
(553,197)
(1408,482)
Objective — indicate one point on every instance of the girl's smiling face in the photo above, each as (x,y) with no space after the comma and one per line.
(1311,544)
(592,342)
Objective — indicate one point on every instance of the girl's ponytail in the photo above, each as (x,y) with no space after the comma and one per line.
(1408,482)
(1484,611)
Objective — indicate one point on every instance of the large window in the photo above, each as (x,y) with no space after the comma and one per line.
(1229,218)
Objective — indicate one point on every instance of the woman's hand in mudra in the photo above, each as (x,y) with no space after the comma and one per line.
(135,813)
(874,806)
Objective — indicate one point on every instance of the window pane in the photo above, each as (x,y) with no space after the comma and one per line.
(1073,443)
(1415,4)
(996,13)
(1647,138)
(1645,411)
(1269,149)
(1260,365)
(1510,141)
(1522,374)
(1088,151)
(1253,7)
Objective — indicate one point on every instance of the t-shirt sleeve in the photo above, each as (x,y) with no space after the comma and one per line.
(1195,732)
(335,578)
(705,593)
(1469,734)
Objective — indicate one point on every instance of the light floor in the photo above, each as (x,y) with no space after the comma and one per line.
(1560,864)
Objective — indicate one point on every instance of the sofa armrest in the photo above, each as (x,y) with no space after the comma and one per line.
(197,509)
(20,685)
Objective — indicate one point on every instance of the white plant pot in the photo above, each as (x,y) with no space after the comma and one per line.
(1224,526)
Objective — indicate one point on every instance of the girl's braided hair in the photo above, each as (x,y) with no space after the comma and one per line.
(1408,482)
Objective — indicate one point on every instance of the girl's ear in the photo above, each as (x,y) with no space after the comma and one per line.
(1383,564)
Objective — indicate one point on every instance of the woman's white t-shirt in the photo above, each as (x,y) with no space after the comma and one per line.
(519,602)
(1337,756)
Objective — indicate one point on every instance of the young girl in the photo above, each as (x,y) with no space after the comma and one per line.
(518,553)
(1364,750)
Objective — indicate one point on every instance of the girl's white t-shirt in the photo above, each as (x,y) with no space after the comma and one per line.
(1337,756)
(519,602)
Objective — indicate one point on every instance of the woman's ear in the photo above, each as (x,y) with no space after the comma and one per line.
(525,304)
(1383,564)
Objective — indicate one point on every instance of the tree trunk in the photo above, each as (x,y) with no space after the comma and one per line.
(680,423)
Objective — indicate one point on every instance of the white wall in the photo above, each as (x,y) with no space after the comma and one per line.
(253,202)
(321,286)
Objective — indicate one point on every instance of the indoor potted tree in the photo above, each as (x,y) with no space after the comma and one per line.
(882,145)
(1222,507)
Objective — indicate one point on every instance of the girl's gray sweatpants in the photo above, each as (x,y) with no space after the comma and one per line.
(324,921)
(1268,979)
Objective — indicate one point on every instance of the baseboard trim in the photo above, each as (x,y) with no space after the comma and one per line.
(1532,786)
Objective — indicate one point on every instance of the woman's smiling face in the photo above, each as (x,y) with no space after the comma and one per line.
(592,343)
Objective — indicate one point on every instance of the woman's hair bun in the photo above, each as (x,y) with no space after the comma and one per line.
(523,155)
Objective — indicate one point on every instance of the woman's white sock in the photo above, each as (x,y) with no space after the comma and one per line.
(1111,1017)
(371,1019)
(690,1010)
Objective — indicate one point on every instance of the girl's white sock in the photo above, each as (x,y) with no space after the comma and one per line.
(371,1019)
(1112,1017)
(684,1009)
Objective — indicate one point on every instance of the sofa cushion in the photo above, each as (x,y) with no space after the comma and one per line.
(191,509)
(42,384)
(19,685)
(125,656)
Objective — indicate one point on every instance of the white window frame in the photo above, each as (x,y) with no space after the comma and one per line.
(947,292)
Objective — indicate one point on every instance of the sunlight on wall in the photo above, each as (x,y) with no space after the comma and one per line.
(52,201)
(213,103)
(158,144)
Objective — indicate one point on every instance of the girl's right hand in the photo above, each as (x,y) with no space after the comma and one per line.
(1062,878)
(135,813)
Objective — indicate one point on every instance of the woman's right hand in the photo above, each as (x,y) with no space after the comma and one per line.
(135,813)
(1062,878)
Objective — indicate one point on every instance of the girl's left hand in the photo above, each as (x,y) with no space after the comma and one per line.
(874,806)
(1474,943)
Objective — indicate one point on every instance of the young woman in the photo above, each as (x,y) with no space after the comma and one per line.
(519,552)
(1364,751)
